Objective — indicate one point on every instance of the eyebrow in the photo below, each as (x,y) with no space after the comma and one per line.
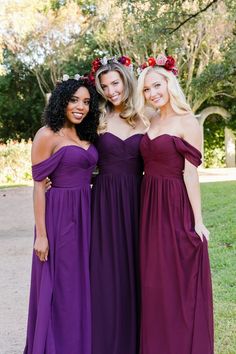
(111,82)
(154,83)
(74,96)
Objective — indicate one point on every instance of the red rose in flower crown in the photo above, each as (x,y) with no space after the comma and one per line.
(91,78)
(170,63)
(175,71)
(144,66)
(124,60)
(128,61)
(96,65)
(152,61)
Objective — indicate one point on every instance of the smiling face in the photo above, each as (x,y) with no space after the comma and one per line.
(155,90)
(78,106)
(113,87)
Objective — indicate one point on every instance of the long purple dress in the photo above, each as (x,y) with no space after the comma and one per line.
(114,246)
(59,319)
(175,273)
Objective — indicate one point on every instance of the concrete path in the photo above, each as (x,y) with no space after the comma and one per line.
(217,174)
(16,240)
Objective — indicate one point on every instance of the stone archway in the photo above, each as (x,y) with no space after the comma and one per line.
(229,135)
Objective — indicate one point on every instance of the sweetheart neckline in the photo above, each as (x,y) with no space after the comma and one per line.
(116,136)
(60,149)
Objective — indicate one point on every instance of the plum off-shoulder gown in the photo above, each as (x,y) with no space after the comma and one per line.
(59,320)
(177,315)
(114,246)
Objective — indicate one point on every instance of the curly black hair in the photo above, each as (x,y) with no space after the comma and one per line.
(54,115)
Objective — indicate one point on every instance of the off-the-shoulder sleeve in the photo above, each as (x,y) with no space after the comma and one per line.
(189,152)
(43,169)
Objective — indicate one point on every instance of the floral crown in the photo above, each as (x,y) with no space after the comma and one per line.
(98,62)
(76,77)
(166,62)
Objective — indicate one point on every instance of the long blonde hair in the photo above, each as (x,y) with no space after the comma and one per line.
(177,98)
(129,112)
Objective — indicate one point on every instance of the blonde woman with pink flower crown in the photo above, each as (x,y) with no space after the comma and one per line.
(176,293)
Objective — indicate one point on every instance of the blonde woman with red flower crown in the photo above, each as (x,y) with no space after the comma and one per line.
(176,294)
(115,212)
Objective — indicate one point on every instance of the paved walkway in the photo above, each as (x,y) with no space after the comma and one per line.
(217,174)
(16,230)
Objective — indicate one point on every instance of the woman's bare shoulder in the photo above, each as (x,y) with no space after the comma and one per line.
(189,121)
(191,130)
(43,144)
(44,133)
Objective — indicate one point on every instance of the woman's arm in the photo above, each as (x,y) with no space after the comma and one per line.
(41,150)
(192,134)
(41,246)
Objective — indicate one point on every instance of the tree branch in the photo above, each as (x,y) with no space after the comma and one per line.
(193,16)
(223,94)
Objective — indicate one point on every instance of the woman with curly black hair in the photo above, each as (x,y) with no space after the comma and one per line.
(54,114)
(59,319)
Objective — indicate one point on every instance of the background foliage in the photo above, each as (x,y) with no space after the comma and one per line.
(15,163)
(42,39)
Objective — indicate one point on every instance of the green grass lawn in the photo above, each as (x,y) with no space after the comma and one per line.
(219,210)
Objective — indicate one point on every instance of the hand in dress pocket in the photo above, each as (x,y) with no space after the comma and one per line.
(202,231)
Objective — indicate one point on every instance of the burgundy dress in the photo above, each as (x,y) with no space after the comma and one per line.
(177,316)
(114,246)
(59,319)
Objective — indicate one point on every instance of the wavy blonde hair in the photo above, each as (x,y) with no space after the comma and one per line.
(177,98)
(129,112)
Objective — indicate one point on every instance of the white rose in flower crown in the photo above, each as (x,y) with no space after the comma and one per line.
(161,60)
(65,77)
(139,70)
(77,76)
(104,61)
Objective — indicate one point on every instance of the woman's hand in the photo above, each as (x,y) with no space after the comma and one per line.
(48,184)
(41,248)
(201,230)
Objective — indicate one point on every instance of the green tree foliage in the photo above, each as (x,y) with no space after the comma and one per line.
(43,34)
(63,36)
(214,140)
(21,103)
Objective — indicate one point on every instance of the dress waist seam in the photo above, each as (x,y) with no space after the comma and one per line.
(87,185)
(163,176)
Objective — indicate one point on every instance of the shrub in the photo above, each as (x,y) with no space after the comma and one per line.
(15,162)
(214,142)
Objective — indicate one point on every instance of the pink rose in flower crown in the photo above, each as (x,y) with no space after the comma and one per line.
(161,60)
(170,63)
